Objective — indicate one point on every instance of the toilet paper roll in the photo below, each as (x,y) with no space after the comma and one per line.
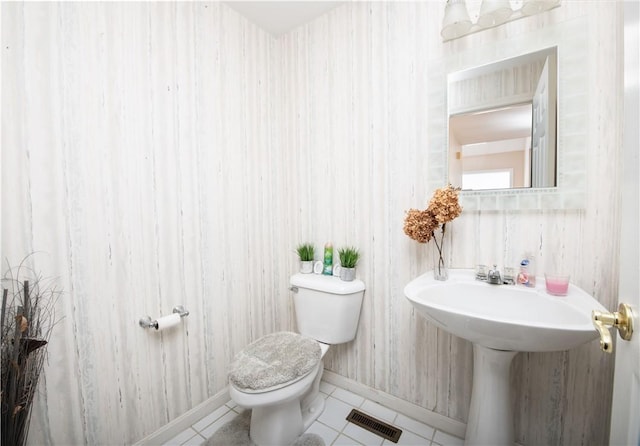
(167,321)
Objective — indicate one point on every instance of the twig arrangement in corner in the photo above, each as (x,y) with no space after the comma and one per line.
(28,317)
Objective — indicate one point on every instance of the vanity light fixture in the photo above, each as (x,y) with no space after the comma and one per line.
(494,13)
(531,7)
(456,22)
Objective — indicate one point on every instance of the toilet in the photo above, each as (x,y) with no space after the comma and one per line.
(278,376)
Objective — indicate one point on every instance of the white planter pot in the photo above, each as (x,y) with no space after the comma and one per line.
(306,266)
(347,274)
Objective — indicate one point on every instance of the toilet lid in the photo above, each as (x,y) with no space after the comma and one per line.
(274,360)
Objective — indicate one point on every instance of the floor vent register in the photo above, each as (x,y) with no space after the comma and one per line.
(371,424)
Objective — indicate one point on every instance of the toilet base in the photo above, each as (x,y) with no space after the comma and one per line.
(281,424)
(276,425)
(312,403)
(312,413)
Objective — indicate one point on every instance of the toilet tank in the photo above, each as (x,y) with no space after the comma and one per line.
(327,308)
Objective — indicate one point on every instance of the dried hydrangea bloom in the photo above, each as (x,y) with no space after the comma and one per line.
(444,204)
(419,225)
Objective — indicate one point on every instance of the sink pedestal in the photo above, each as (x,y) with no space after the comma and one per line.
(490,415)
(509,319)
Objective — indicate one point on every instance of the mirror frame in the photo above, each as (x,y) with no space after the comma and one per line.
(573,106)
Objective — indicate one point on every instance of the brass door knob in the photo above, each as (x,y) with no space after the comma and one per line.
(621,319)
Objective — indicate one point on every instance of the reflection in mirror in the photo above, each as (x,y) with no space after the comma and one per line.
(502,123)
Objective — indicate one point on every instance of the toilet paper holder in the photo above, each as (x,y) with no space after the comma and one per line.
(147,322)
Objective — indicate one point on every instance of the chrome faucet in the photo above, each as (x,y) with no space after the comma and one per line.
(494,276)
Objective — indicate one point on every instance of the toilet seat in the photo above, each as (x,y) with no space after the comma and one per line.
(274,361)
(282,394)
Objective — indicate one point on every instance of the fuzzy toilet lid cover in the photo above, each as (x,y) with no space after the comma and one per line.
(274,360)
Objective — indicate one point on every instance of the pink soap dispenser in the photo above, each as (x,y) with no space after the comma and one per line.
(527,274)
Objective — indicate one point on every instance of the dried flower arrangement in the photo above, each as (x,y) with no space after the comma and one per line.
(26,323)
(422,225)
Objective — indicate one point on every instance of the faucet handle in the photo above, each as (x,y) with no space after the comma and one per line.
(509,275)
(481,272)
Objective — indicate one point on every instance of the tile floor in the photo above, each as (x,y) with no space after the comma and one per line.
(331,425)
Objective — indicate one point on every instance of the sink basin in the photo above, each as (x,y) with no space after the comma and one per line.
(500,321)
(505,317)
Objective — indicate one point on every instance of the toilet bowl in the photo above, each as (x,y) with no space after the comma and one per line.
(278,376)
(282,412)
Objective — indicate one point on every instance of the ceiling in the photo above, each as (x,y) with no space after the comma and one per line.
(501,130)
(493,125)
(278,18)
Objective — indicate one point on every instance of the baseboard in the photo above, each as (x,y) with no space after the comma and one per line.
(411,410)
(186,420)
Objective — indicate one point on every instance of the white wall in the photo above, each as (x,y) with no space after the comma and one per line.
(173,153)
(358,107)
(140,155)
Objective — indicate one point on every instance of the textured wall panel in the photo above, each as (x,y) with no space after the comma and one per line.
(361,75)
(139,155)
(165,153)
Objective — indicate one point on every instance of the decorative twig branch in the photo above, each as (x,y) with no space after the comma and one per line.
(26,324)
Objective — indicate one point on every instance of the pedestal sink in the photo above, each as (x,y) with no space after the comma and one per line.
(500,321)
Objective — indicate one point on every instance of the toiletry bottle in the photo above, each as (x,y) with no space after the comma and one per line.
(328,259)
(523,275)
(532,270)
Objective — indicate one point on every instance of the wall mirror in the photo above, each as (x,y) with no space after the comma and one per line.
(559,181)
(502,123)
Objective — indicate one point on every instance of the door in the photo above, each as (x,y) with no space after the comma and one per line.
(625,412)
(543,127)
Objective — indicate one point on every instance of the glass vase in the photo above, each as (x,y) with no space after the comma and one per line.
(440,269)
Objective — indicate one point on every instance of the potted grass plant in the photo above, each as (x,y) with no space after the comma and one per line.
(305,252)
(27,320)
(349,257)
